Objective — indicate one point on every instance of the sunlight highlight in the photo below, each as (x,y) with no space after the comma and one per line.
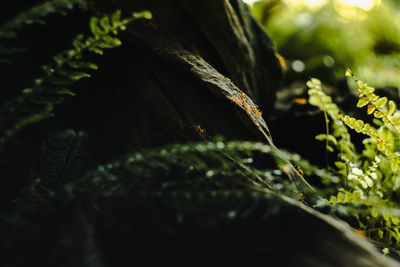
(350,10)
(311,3)
(364,4)
(250,2)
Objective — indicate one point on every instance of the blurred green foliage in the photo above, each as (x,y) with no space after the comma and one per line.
(322,39)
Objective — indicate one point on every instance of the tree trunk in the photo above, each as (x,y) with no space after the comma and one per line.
(196,70)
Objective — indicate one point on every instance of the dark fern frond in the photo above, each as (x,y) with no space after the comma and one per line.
(215,165)
(64,157)
(36,15)
(37,103)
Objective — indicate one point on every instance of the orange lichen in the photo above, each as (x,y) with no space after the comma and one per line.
(237,101)
(300,170)
(199,129)
(242,102)
(257,111)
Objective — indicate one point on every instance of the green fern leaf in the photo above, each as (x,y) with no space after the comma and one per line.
(381,102)
(372,97)
(331,138)
(358,126)
(96,50)
(144,14)
(73,75)
(105,24)
(371,109)
(368,90)
(395,118)
(356,196)
(94,28)
(116,18)
(366,128)
(314,100)
(340,197)
(394,165)
(392,108)
(378,114)
(58,91)
(362,102)
(82,65)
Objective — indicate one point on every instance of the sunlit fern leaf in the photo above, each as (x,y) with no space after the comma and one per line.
(380,107)
(392,108)
(376,216)
(362,102)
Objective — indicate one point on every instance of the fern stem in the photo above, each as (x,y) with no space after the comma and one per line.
(326,141)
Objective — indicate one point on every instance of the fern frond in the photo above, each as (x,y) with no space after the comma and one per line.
(37,103)
(64,158)
(388,135)
(340,138)
(380,107)
(379,218)
(369,179)
(383,137)
(215,165)
(36,15)
(364,181)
